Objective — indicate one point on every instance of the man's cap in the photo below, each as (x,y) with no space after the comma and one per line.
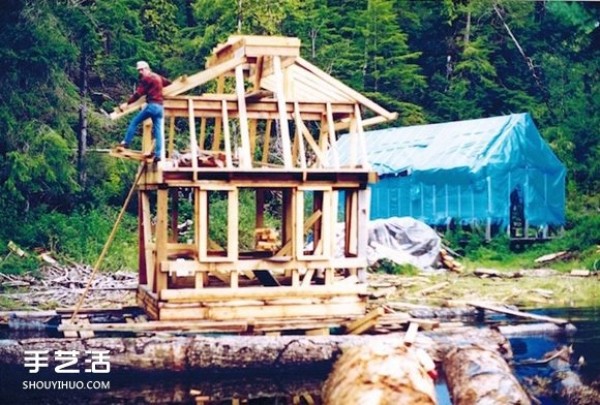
(142,65)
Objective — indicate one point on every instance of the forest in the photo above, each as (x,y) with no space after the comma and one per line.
(66,64)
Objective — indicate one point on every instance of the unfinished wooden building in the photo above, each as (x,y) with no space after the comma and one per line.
(257,123)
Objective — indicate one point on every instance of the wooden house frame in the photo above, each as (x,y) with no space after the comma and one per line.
(287,112)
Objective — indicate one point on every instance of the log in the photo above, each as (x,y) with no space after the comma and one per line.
(380,375)
(543,328)
(185,353)
(476,375)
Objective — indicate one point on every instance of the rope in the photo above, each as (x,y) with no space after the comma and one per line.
(108,242)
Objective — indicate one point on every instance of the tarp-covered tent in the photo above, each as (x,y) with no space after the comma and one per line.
(473,171)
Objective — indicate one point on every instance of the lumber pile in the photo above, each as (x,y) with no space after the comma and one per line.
(267,239)
(449,262)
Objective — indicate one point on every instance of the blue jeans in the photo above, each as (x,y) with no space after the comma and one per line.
(155,112)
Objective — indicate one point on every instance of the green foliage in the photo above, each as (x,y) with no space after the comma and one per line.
(389,267)
(428,61)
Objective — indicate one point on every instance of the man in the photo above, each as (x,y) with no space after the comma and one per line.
(150,85)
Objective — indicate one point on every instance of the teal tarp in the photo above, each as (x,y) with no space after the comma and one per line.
(466,170)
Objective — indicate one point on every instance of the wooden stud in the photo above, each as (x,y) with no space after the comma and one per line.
(193,146)
(147,136)
(283,123)
(364,161)
(162,206)
(299,125)
(244,154)
(331,132)
(351,235)
(232,225)
(227,136)
(218,121)
(148,249)
(258,72)
(174,236)
(260,208)
(252,129)
(202,136)
(306,280)
(266,142)
(171,136)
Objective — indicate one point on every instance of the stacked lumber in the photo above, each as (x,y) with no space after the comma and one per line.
(450,262)
(267,239)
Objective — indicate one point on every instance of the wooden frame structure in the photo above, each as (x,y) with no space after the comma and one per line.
(265,130)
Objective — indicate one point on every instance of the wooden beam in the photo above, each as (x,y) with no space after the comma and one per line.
(345,89)
(260,293)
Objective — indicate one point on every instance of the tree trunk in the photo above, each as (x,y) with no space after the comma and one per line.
(228,353)
(476,375)
(381,375)
(83,123)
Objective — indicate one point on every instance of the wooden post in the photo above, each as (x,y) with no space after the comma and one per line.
(171,136)
(142,265)
(299,125)
(283,123)
(228,158)
(174,215)
(148,251)
(331,131)
(260,208)
(193,146)
(162,206)
(202,136)
(266,142)
(217,133)
(244,155)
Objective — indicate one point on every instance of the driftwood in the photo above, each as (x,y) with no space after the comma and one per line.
(381,375)
(249,352)
(476,375)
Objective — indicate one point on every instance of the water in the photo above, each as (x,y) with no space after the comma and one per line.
(280,388)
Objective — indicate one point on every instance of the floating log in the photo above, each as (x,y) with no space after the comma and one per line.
(181,353)
(543,328)
(381,375)
(476,375)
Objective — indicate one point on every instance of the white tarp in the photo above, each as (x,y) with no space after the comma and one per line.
(403,240)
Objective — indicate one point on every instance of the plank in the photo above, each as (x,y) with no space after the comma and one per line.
(365,323)
(508,311)
(260,293)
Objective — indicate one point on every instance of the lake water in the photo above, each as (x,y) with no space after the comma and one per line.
(299,387)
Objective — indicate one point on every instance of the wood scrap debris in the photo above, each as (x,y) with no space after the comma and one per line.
(562,255)
(59,285)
